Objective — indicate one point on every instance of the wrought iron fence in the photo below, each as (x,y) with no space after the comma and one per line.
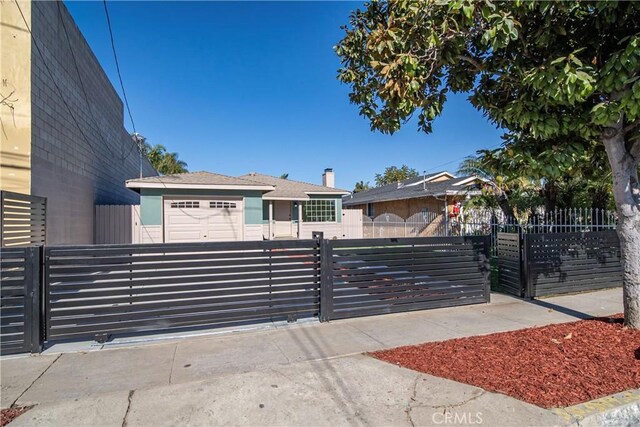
(478,222)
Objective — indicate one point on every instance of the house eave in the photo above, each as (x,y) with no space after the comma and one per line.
(327,193)
(301,199)
(135,185)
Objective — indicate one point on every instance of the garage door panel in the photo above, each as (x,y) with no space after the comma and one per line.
(234,218)
(212,219)
(176,236)
(184,218)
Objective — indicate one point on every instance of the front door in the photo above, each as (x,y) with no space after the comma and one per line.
(282,218)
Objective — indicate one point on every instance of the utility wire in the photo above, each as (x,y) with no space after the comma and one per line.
(62,98)
(458,159)
(84,92)
(124,92)
(115,57)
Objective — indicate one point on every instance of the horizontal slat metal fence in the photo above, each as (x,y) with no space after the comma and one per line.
(22,219)
(107,289)
(378,276)
(19,300)
(510,263)
(558,263)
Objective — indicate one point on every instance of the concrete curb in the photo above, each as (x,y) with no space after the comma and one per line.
(618,410)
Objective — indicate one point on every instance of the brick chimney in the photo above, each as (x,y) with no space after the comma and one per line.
(328,178)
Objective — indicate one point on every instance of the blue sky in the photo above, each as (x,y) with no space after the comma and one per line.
(251,86)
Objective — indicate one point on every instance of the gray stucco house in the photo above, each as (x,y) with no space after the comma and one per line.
(205,206)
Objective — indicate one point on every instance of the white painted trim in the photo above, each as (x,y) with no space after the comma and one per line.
(431,178)
(468,180)
(198,186)
(295,199)
(327,193)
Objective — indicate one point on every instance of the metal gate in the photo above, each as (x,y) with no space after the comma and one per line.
(378,276)
(510,277)
(19,300)
(94,291)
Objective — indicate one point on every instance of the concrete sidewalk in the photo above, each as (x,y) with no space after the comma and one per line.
(301,374)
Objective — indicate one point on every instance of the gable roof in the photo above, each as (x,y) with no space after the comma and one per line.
(288,189)
(411,188)
(201,179)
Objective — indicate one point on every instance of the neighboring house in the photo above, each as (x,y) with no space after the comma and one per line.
(435,195)
(62,134)
(204,206)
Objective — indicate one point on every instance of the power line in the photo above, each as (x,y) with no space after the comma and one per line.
(84,92)
(115,57)
(458,159)
(124,92)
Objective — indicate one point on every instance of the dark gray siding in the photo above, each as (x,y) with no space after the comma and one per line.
(75,165)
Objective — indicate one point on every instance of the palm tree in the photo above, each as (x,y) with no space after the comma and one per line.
(162,161)
(361,186)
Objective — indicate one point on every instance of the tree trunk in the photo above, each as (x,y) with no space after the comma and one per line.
(505,206)
(626,193)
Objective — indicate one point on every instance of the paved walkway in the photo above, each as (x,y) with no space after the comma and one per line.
(309,373)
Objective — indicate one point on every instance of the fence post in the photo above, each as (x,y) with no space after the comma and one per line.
(32,281)
(487,267)
(527,282)
(326,277)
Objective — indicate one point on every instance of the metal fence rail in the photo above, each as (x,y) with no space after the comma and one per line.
(22,219)
(557,263)
(377,276)
(94,290)
(19,300)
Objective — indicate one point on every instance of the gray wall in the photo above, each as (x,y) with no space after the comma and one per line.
(76,166)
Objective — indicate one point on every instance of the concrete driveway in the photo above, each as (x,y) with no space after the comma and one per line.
(311,374)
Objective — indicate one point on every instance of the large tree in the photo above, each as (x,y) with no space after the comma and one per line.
(394,174)
(558,72)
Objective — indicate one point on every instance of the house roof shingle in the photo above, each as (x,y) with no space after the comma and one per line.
(290,189)
(196,179)
(409,189)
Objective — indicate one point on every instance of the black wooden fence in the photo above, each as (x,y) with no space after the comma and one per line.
(536,265)
(378,276)
(19,300)
(22,219)
(95,291)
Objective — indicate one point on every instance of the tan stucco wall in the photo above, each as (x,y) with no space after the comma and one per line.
(408,207)
(15,90)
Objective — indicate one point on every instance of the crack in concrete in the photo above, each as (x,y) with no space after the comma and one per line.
(173,362)
(457,405)
(126,414)
(34,381)
(281,351)
(372,337)
(412,398)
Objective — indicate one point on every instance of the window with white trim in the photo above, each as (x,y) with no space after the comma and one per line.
(187,204)
(319,211)
(222,205)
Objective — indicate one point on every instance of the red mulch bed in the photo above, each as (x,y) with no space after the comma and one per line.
(550,366)
(9,414)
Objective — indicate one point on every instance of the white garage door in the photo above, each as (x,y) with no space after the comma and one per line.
(202,220)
